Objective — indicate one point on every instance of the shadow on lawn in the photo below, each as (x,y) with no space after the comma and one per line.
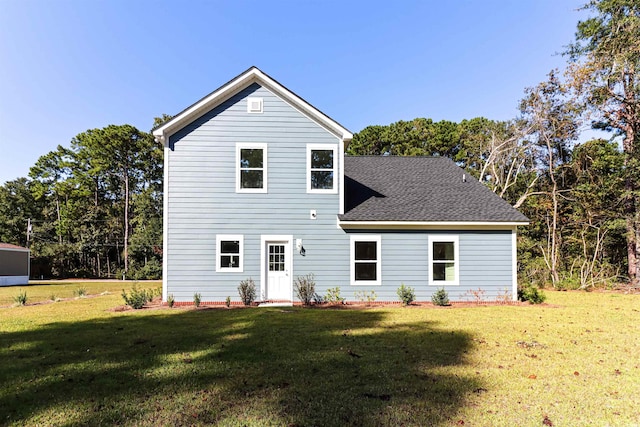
(235,367)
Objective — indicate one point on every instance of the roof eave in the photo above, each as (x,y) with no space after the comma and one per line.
(431,225)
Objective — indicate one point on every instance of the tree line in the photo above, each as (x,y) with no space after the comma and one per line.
(96,207)
(91,210)
(583,199)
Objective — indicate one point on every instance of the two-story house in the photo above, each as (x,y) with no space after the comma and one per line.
(257,186)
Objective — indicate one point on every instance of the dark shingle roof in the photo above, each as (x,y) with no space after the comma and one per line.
(387,188)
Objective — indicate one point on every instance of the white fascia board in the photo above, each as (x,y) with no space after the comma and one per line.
(235,86)
(15,249)
(202,106)
(429,225)
(307,109)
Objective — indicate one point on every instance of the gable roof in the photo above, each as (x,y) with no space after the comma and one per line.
(237,84)
(419,189)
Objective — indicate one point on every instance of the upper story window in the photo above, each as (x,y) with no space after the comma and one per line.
(321,168)
(251,168)
(366,264)
(444,260)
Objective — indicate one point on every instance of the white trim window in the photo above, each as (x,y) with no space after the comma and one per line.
(321,168)
(366,260)
(229,253)
(444,260)
(251,168)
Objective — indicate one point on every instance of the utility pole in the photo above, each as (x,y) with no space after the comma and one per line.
(29,229)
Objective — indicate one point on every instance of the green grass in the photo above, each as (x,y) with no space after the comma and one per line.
(67,289)
(574,361)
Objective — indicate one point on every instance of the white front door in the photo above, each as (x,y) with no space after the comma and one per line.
(278,270)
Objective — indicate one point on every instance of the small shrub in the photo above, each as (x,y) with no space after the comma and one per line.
(440,297)
(532,294)
(247,291)
(333,296)
(305,288)
(504,296)
(137,298)
(171,300)
(568,284)
(227,302)
(363,296)
(477,295)
(80,292)
(196,299)
(21,298)
(407,294)
(318,299)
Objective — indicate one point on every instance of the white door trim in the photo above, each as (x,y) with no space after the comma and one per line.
(264,238)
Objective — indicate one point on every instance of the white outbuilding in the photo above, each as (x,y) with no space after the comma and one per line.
(14,265)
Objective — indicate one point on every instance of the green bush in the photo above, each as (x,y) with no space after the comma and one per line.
(305,288)
(227,302)
(152,270)
(440,297)
(247,291)
(531,293)
(568,283)
(364,296)
(21,298)
(171,300)
(137,298)
(407,294)
(333,296)
(80,292)
(196,299)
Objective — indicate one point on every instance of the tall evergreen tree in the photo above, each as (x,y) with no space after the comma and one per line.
(606,75)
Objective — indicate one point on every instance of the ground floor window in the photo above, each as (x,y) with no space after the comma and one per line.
(229,253)
(443,260)
(365,260)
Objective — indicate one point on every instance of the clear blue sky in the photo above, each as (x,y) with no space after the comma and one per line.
(71,65)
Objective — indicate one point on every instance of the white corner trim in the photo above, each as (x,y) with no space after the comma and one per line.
(165,224)
(514,263)
(434,238)
(341,178)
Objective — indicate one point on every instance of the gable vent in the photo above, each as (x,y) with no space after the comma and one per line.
(254,105)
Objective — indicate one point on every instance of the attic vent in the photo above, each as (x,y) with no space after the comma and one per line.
(254,105)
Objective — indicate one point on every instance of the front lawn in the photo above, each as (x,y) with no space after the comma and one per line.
(78,362)
(42,291)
